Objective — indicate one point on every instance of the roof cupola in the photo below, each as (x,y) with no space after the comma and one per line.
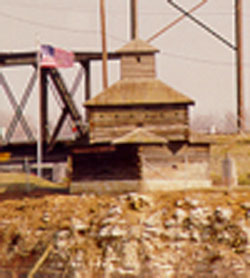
(137,60)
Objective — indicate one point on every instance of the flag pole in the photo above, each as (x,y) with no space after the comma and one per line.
(39,143)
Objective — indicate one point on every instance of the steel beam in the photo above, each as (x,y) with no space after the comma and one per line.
(202,25)
(30,58)
(177,20)
(43,97)
(67,101)
(65,111)
(87,95)
(21,150)
(18,108)
(57,129)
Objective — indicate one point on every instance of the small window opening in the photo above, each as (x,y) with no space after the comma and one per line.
(138,59)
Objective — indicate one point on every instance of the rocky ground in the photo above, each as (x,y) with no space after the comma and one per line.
(185,234)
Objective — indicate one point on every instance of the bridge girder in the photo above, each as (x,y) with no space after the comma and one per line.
(48,77)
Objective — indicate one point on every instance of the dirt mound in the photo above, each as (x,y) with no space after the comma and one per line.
(176,234)
(21,182)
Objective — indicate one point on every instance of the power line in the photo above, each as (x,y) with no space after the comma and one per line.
(172,55)
(52,8)
(56,27)
(197,60)
(111,11)
(49,26)
(201,61)
(200,13)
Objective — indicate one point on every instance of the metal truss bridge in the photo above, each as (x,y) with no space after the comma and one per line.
(53,149)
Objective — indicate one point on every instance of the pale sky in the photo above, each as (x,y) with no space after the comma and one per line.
(190,59)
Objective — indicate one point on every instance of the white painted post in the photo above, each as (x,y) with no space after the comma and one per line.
(39,143)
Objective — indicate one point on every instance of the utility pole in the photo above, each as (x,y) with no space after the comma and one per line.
(239,67)
(104,45)
(237,47)
(134,19)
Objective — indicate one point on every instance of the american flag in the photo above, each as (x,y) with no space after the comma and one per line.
(53,57)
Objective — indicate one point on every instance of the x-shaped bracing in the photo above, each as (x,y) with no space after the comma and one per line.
(18,108)
(65,108)
(68,107)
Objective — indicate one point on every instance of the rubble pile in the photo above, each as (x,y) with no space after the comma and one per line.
(175,235)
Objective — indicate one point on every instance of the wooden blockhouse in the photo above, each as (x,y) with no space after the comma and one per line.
(139,133)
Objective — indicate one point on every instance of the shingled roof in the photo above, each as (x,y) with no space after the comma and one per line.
(138,92)
(137,46)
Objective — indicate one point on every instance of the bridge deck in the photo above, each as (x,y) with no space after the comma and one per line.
(30,58)
(18,151)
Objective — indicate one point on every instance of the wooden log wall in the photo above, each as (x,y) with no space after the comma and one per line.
(107,124)
(190,163)
(138,66)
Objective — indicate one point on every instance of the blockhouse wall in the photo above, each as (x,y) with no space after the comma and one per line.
(189,163)
(107,124)
(121,164)
(138,66)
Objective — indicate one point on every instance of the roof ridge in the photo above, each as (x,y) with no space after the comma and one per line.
(139,135)
(137,45)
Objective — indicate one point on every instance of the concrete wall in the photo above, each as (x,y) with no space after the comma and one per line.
(171,185)
(149,185)
(105,187)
